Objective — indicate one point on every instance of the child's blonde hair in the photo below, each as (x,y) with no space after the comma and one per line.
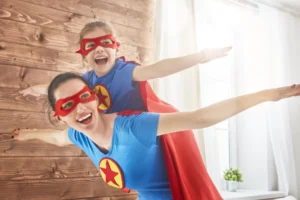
(92,26)
(96,24)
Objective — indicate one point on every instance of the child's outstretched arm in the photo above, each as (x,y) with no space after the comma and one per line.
(208,116)
(35,90)
(56,137)
(173,65)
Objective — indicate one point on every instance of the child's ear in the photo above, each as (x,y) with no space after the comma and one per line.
(84,59)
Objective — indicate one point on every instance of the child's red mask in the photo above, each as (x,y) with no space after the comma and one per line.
(89,44)
(65,106)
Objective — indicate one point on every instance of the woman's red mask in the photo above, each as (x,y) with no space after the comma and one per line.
(89,44)
(65,106)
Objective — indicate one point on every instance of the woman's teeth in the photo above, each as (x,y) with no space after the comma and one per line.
(84,118)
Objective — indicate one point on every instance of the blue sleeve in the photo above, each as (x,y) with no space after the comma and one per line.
(78,138)
(125,72)
(73,136)
(143,127)
(87,76)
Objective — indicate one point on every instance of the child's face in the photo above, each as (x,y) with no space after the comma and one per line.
(100,59)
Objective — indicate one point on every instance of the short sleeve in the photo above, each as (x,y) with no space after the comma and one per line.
(125,72)
(143,127)
(73,135)
(78,138)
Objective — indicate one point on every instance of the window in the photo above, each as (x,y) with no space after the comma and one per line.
(216,85)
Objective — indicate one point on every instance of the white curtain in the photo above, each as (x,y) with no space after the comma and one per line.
(266,46)
(174,36)
(266,57)
(284,62)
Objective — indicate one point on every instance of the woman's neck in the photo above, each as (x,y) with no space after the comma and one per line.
(102,135)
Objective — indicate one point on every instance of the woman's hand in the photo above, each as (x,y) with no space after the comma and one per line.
(21,134)
(277,94)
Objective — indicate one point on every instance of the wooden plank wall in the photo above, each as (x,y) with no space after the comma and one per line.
(37,42)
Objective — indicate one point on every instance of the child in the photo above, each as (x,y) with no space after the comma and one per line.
(121,85)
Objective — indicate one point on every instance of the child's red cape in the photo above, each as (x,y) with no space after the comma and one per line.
(189,179)
(188,176)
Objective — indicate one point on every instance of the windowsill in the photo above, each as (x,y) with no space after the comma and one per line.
(251,195)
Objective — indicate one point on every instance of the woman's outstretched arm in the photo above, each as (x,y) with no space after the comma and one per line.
(56,137)
(208,116)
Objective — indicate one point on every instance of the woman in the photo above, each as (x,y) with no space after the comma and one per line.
(126,146)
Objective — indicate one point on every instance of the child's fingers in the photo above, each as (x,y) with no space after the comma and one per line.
(225,49)
(24,92)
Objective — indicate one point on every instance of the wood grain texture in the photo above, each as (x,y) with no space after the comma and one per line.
(40,58)
(11,99)
(54,60)
(52,189)
(31,148)
(126,197)
(83,7)
(61,39)
(43,12)
(9,120)
(24,168)
(22,77)
(38,41)
(73,22)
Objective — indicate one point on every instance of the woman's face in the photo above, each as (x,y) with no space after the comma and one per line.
(100,59)
(83,116)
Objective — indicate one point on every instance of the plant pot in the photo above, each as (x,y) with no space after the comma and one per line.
(232,186)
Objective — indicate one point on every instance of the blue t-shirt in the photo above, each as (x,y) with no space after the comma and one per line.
(120,91)
(137,152)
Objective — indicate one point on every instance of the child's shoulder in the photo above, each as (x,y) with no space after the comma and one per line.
(122,62)
(87,75)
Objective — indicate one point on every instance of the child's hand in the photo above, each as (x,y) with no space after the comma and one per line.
(30,91)
(215,53)
(20,134)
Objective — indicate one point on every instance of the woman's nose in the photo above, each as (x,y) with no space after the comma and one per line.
(80,108)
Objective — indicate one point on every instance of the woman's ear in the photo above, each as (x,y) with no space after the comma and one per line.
(60,120)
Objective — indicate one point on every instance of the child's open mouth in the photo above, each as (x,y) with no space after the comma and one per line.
(101,60)
(85,119)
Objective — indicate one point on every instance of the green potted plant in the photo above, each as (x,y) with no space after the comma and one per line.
(232,177)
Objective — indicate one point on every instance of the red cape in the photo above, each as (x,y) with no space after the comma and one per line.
(187,173)
(189,179)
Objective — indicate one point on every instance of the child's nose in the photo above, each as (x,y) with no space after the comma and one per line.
(99,49)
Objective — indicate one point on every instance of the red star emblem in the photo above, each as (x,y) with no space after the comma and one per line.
(110,175)
(102,99)
(103,96)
